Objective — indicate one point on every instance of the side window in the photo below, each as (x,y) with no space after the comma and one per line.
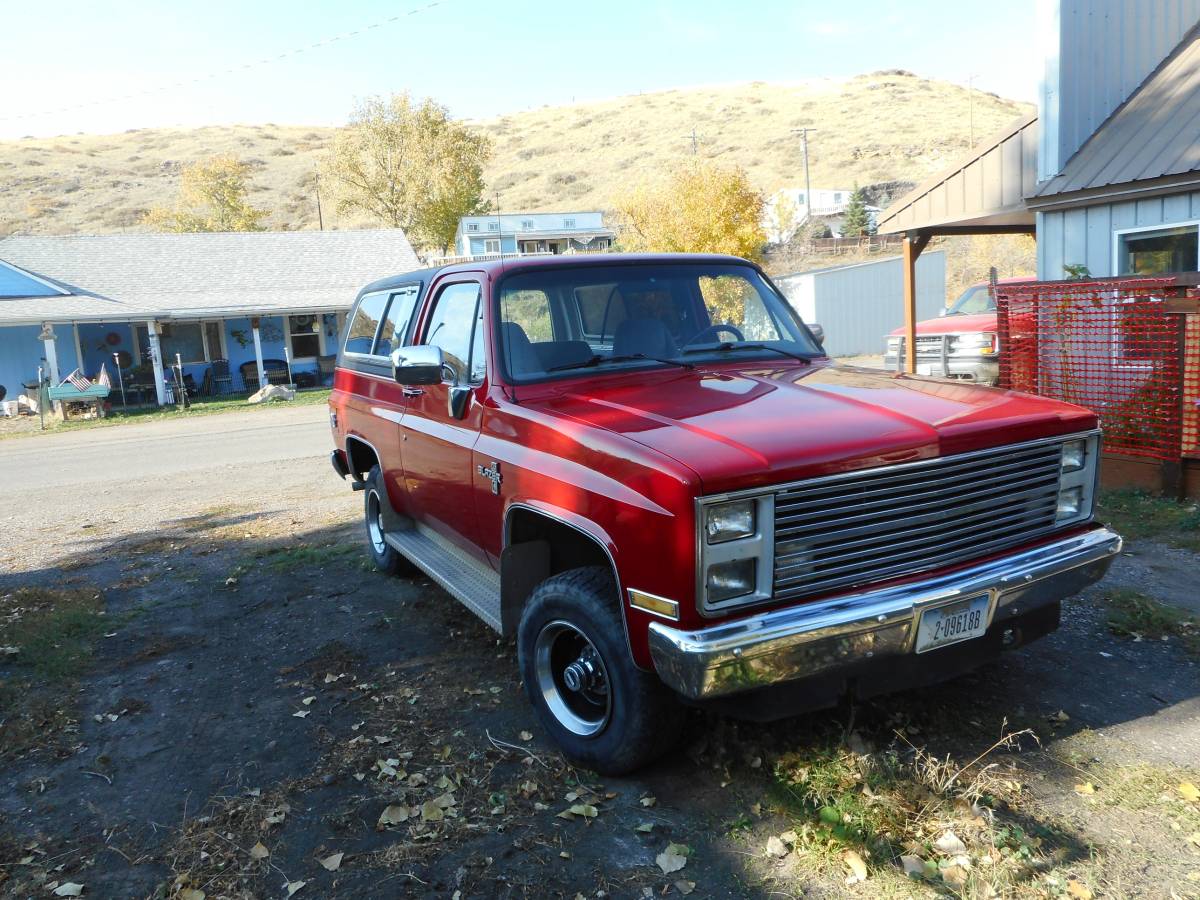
(531,310)
(732,300)
(361,335)
(602,309)
(395,323)
(452,325)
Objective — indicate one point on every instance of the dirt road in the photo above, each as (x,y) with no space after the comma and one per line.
(256,702)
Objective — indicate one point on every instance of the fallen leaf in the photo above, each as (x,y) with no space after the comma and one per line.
(258,851)
(673,859)
(69,889)
(300,714)
(856,865)
(1078,890)
(685,887)
(526,735)
(950,844)
(431,812)
(645,827)
(332,862)
(648,801)
(394,815)
(1190,792)
(776,847)
(293,886)
(308,701)
(579,809)
(1060,716)
(956,876)
(276,815)
(914,866)
(1086,788)
(190,894)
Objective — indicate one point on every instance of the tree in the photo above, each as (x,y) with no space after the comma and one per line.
(856,221)
(409,165)
(700,207)
(212,197)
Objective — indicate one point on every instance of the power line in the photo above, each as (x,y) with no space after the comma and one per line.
(232,70)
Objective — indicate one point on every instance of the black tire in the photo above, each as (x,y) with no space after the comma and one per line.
(634,718)
(387,558)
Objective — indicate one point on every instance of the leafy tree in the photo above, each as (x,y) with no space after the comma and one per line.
(212,197)
(856,222)
(409,165)
(700,207)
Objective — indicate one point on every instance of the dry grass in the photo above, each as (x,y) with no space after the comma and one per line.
(871,128)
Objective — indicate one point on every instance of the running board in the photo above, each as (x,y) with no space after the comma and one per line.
(469,581)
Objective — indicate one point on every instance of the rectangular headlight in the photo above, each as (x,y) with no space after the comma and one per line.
(729,521)
(1074,455)
(893,344)
(1070,503)
(730,579)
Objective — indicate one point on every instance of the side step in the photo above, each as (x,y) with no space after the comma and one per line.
(474,585)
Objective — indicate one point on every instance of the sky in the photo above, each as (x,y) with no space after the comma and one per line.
(105,66)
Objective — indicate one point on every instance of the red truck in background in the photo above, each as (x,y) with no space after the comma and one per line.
(646,471)
(962,343)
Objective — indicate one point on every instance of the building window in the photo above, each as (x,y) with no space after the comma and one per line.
(493,226)
(491,245)
(1159,251)
(182,339)
(212,341)
(304,334)
(527,224)
(472,226)
(568,223)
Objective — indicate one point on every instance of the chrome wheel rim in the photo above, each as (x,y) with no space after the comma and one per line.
(375,523)
(572,678)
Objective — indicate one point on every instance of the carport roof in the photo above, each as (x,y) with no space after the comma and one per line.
(180,276)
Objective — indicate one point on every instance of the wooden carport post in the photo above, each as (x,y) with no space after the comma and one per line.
(914,243)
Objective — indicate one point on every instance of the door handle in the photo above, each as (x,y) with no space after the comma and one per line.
(412,392)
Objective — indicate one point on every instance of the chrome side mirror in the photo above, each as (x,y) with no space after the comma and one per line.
(818,332)
(420,364)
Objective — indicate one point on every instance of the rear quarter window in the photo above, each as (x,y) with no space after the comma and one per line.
(360,336)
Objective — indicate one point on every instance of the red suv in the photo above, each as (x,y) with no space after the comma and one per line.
(961,343)
(645,470)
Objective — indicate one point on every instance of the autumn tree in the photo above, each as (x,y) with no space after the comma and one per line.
(856,221)
(409,165)
(699,207)
(213,196)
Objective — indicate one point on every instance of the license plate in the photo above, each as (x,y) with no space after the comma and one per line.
(954,622)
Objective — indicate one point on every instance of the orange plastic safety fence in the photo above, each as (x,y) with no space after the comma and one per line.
(1112,346)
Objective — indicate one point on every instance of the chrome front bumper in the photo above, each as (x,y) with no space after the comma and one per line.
(816,638)
(981,369)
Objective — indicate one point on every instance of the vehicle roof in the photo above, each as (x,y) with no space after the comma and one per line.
(494,267)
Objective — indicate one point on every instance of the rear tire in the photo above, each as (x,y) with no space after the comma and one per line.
(387,559)
(602,710)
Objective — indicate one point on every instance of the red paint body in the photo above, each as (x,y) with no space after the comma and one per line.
(623,456)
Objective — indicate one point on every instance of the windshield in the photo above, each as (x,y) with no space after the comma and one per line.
(975,299)
(613,317)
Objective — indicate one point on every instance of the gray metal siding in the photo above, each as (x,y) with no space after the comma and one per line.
(858,305)
(1085,234)
(1106,50)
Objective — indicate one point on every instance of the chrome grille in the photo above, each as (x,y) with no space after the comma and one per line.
(898,520)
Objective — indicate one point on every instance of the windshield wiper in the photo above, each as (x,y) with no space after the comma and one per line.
(729,346)
(597,360)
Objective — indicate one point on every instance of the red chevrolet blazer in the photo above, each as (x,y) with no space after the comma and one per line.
(645,470)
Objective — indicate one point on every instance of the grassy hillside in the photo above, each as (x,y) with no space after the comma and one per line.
(872,128)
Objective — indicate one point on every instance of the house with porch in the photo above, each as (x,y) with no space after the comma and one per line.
(520,234)
(230,309)
(1106,177)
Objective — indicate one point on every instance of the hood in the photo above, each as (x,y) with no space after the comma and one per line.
(954,325)
(741,426)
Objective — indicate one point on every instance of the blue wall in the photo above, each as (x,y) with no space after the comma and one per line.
(21,353)
(508,244)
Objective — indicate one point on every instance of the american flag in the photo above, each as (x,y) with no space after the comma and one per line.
(78,381)
(102,378)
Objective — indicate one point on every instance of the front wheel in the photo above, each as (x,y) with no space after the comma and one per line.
(604,712)
(387,558)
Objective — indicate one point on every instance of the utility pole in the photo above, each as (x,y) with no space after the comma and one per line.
(320,218)
(803,132)
(971,105)
(695,142)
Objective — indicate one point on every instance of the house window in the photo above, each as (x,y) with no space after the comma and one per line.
(527,224)
(185,339)
(212,341)
(491,245)
(568,223)
(472,226)
(1157,252)
(493,226)
(304,336)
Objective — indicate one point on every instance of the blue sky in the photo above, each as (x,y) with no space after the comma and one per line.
(479,58)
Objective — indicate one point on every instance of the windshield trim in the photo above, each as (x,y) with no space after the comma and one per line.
(760,354)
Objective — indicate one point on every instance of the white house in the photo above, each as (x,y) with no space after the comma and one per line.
(519,234)
(789,208)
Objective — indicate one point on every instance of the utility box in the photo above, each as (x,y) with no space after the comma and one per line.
(859,304)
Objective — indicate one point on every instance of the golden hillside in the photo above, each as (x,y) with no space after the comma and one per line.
(872,128)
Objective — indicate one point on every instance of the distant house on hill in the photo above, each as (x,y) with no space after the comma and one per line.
(235,306)
(519,234)
(789,208)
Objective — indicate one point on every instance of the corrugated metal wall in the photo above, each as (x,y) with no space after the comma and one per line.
(858,305)
(1106,49)
(1085,236)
